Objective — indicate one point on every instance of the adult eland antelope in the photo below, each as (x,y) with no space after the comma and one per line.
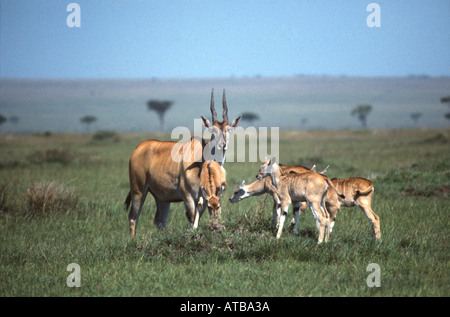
(153,168)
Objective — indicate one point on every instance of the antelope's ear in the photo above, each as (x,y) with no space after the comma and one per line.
(236,121)
(206,122)
(203,192)
(219,191)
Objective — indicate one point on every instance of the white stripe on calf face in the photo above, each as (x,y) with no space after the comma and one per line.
(239,194)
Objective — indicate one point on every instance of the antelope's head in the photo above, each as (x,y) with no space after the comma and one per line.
(240,193)
(268,168)
(220,130)
(213,201)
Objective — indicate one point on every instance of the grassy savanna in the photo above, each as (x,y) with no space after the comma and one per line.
(61,202)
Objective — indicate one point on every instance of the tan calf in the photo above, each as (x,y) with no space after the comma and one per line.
(263,186)
(358,192)
(294,188)
(212,183)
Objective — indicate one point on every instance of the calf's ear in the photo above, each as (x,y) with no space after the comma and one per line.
(203,192)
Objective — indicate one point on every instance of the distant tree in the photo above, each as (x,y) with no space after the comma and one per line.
(2,119)
(446,100)
(160,107)
(87,121)
(415,116)
(362,111)
(250,117)
(303,122)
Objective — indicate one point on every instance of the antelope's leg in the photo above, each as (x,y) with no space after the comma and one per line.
(303,206)
(320,220)
(190,208)
(296,211)
(137,201)
(315,215)
(326,215)
(282,219)
(162,212)
(199,212)
(332,211)
(373,218)
(327,222)
(275,214)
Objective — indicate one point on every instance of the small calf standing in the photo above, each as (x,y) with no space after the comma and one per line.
(212,183)
(358,192)
(293,188)
(263,186)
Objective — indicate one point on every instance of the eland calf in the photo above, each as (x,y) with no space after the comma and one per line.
(263,186)
(292,188)
(358,191)
(212,184)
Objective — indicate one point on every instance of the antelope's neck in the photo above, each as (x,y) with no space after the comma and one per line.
(275,177)
(257,187)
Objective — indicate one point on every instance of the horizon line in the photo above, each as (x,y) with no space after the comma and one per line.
(156,78)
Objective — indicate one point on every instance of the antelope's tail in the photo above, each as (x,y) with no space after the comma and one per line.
(367,192)
(334,188)
(128,201)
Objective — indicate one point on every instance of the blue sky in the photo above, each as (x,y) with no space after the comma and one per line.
(212,38)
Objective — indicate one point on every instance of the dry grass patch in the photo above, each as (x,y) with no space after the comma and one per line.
(50,197)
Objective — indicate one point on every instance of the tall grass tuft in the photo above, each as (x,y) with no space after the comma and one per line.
(50,198)
(5,204)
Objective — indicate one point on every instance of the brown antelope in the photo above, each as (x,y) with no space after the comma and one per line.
(358,192)
(263,186)
(212,184)
(153,169)
(293,188)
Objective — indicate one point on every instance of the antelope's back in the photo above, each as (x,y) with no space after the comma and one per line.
(350,187)
(213,174)
(285,169)
(151,164)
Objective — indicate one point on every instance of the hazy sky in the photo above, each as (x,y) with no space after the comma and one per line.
(218,38)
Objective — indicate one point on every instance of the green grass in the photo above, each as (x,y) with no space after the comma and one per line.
(410,169)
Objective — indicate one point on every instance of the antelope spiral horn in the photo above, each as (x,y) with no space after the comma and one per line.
(225,108)
(213,110)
